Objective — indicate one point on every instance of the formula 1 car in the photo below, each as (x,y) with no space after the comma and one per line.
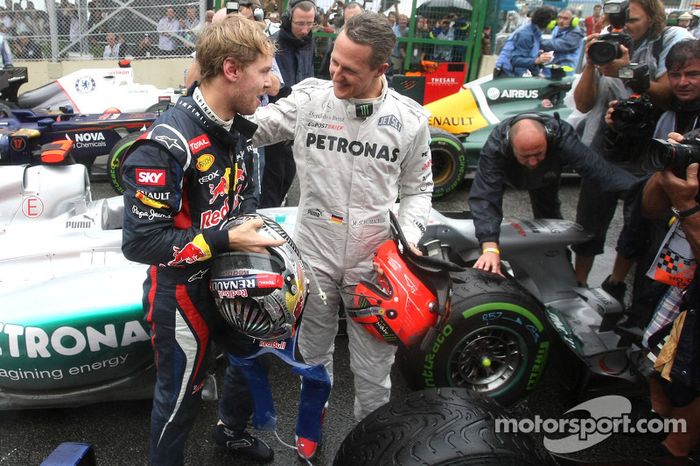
(23,132)
(460,123)
(89,91)
(72,329)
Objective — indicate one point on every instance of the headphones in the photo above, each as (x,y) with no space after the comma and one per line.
(286,19)
(551,124)
(575,20)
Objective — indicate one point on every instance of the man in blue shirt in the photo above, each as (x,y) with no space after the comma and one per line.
(522,54)
(566,42)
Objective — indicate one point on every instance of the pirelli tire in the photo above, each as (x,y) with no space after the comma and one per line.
(115,162)
(496,341)
(449,162)
(438,426)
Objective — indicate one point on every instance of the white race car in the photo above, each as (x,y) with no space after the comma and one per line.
(88,90)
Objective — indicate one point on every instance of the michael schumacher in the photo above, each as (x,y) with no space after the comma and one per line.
(358,146)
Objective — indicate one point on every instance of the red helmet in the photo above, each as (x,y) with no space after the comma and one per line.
(399,306)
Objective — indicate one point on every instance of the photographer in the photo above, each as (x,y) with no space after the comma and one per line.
(683,65)
(648,42)
(674,386)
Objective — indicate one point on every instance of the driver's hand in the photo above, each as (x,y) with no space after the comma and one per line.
(489,262)
(246,238)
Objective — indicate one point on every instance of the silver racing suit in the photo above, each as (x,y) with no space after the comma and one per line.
(351,169)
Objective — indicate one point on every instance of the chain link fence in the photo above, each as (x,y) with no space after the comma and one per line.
(97,29)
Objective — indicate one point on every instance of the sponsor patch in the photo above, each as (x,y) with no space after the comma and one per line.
(390,120)
(85,84)
(280,345)
(150,177)
(147,200)
(209,177)
(168,142)
(204,162)
(211,218)
(18,144)
(194,251)
(199,143)
(220,188)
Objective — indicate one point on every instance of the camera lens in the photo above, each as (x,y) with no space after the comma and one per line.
(603,52)
(659,155)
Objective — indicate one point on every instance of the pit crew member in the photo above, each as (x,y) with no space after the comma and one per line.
(528,151)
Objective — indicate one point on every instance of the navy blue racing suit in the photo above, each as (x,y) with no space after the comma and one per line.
(183,179)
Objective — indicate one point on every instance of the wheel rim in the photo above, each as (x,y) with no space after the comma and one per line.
(443,166)
(487,359)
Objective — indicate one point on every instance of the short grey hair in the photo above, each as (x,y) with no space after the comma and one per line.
(372,29)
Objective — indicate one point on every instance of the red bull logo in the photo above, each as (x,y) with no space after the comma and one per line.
(219,189)
(194,251)
(240,176)
(212,218)
(280,345)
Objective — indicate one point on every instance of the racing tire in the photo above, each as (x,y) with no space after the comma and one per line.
(160,107)
(116,161)
(449,162)
(495,342)
(439,426)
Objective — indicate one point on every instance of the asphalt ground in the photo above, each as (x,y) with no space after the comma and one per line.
(118,430)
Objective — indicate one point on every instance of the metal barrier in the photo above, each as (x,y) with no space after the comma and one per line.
(102,28)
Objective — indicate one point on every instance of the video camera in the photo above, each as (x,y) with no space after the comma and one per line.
(662,155)
(607,47)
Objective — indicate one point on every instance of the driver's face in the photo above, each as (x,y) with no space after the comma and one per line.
(350,71)
(638,22)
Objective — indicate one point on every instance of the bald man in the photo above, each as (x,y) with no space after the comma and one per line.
(528,151)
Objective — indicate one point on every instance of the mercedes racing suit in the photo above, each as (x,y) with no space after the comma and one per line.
(351,170)
(183,178)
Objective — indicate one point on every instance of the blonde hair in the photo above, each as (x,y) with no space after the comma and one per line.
(235,37)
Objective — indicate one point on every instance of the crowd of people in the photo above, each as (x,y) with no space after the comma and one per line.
(524,49)
(297,125)
(655,66)
(172,31)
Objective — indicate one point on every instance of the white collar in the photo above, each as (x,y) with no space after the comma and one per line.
(373,102)
(206,109)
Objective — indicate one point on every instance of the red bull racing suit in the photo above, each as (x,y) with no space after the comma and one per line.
(354,159)
(183,178)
